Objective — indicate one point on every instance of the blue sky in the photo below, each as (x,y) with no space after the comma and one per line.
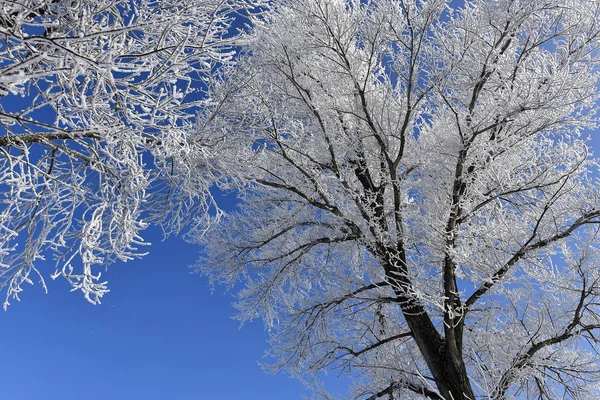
(159,334)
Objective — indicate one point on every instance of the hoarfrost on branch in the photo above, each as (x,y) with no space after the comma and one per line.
(421,209)
(97,99)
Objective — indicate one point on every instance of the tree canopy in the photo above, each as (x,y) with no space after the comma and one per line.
(421,208)
(97,99)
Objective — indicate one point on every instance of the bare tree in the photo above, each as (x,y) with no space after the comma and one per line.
(422,209)
(96,102)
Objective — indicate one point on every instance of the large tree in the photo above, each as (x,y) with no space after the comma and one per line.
(96,101)
(422,209)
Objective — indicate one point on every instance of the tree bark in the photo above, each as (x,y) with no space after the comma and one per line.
(447,367)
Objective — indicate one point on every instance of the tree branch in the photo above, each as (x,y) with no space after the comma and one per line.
(428,393)
(499,274)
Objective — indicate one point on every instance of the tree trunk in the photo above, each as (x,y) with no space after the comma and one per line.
(449,373)
(447,367)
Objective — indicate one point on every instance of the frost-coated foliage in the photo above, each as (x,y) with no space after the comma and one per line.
(96,101)
(422,209)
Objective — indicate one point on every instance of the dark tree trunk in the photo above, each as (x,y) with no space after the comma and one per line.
(444,362)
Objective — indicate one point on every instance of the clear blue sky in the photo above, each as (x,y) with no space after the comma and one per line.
(159,334)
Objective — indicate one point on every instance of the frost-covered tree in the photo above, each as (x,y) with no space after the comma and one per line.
(422,211)
(96,101)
